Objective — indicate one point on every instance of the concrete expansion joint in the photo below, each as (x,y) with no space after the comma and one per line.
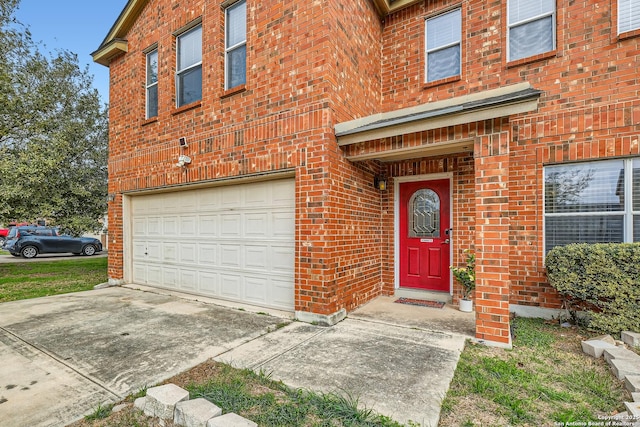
(62,362)
(280,352)
(440,334)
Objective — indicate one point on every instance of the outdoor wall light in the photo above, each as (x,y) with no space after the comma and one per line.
(183,142)
(380,182)
(111,197)
(183,161)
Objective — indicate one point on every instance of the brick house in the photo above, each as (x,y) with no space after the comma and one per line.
(312,155)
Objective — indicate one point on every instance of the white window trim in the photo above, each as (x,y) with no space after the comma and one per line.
(184,70)
(148,86)
(228,49)
(428,51)
(554,25)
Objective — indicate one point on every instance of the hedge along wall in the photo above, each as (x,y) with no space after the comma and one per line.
(605,276)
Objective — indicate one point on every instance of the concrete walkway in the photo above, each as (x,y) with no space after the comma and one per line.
(96,347)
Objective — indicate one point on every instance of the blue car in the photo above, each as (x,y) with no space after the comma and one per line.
(29,241)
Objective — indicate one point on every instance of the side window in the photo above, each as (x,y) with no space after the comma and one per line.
(189,67)
(443,44)
(628,15)
(236,45)
(152,84)
(592,202)
(532,27)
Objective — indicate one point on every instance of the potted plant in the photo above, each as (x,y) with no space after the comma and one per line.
(466,276)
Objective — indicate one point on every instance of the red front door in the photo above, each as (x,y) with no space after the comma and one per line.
(425,235)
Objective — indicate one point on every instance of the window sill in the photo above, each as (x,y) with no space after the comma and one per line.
(628,35)
(534,58)
(230,92)
(187,107)
(441,82)
(150,121)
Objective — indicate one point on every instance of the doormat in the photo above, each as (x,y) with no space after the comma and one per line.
(420,302)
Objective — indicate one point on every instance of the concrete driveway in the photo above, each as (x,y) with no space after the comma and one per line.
(61,356)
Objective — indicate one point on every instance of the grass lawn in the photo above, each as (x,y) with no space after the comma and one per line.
(23,280)
(545,380)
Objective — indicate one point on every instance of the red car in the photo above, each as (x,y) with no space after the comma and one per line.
(5,231)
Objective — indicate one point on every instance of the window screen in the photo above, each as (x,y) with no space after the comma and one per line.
(443,35)
(236,45)
(189,75)
(152,84)
(531,27)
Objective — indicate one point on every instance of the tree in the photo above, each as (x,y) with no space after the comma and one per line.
(53,134)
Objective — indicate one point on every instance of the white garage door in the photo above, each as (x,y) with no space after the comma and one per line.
(234,242)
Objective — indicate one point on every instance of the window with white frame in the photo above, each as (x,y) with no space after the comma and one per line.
(532,27)
(189,67)
(236,45)
(592,202)
(628,15)
(152,84)
(443,44)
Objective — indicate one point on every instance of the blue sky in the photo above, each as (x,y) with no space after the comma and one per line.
(75,25)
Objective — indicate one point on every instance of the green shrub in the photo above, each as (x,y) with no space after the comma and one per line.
(603,279)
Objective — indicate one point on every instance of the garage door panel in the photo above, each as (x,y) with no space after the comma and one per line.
(283,225)
(208,225)
(188,226)
(154,274)
(153,252)
(207,255)
(170,226)
(139,274)
(170,276)
(257,225)
(281,295)
(256,290)
(232,242)
(230,286)
(139,227)
(187,253)
(208,283)
(231,225)
(154,226)
(188,279)
(283,259)
(170,252)
(231,256)
(256,257)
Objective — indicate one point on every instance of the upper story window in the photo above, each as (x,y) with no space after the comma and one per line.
(189,67)
(236,45)
(443,35)
(592,202)
(152,84)
(628,15)
(532,27)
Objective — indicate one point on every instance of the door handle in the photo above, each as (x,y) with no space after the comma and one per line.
(445,242)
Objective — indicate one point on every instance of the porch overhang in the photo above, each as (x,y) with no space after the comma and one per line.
(492,104)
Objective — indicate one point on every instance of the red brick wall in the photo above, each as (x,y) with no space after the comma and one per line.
(305,63)
(588,109)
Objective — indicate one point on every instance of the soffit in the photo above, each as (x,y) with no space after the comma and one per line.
(115,43)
